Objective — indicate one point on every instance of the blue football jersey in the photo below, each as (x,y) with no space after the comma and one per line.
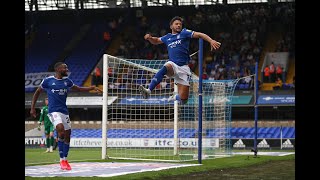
(178,46)
(57,90)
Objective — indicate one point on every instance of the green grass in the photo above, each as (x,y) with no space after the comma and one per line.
(235,167)
(37,156)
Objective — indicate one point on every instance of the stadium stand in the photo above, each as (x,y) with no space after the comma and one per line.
(247,33)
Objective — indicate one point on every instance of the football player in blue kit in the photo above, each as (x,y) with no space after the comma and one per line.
(177,43)
(57,88)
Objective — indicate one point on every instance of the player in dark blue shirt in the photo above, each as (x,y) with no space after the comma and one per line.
(177,43)
(57,88)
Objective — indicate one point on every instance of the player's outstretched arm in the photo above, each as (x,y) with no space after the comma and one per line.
(86,89)
(213,43)
(152,40)
(34,101)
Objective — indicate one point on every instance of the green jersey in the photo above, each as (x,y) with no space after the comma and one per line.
(44,116)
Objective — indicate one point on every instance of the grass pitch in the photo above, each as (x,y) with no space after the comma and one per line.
(239,167)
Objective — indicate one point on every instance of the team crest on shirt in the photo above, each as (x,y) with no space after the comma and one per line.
(178,37)
(65,83)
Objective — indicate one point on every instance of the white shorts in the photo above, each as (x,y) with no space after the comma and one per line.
(182,74)
(58,117)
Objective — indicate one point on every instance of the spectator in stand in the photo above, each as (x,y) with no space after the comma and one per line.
(278,84)
(272,72)
(211,77)
(204,75)
(247,79)
(96,77)
(110,75)
(266,77)
(106,36)
(279,71)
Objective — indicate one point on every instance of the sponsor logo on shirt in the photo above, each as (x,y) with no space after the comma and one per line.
(60,91)
(174,44)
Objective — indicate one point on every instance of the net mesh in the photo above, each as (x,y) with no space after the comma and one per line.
(140,128)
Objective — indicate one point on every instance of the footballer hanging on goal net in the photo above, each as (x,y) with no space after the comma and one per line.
(177,43)
(153,126)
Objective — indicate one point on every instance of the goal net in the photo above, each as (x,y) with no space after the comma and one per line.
(216,116)
(155,129)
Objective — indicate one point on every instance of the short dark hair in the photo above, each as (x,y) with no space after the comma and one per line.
(176,18)
(57,65)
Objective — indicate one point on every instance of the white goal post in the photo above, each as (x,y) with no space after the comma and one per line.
(155,129)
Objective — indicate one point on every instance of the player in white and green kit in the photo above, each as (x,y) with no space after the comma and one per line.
(48,126)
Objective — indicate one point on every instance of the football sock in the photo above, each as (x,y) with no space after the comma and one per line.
(48,142)
(51,141)
(158,78)
(177,97)
(66,149)
(61,147)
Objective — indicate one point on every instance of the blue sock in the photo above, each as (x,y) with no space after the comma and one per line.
(61,145)
(66,149)
(178,98)
(158,77)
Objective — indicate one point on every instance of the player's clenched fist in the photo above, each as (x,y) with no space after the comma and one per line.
(147,36)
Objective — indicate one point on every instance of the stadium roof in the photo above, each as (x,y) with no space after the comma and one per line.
(49,5)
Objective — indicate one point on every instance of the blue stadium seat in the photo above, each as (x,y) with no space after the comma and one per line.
(261,135)
(246,86)
(268,135)
(284,132)
(276,133)
(291,133)
(241,86)
(248,136)
(252,131)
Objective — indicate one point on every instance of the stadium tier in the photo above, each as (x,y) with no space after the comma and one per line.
(49,42)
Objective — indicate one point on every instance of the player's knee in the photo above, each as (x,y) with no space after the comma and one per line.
(61,139)
(67,136)
(184,101)
(60,127)
(61,135)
